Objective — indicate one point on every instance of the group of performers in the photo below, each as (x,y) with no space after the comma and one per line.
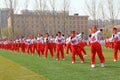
(73,42)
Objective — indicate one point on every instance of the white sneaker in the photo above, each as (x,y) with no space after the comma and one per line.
(73,62)
(102,65)
(56,59)
(85,55)
(63,59)
(92,66)
(115,60)
(82,61)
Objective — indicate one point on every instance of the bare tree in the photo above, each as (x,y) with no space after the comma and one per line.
(102,12)
(92,8)
(113,8)
(26,4)
(65,10)
(53,7)
(41,9)
(13,6)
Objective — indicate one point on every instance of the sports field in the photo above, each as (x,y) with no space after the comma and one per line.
(27,67)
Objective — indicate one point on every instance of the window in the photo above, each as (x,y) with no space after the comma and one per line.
(18,26)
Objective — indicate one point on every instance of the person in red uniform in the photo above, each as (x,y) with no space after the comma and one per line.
(39,45)
(27,44)
(95,46)
(81,43)
(74,40)
(68,45)
(17,45)
(116,43)
(53,42)
(59,40)
(32,44)
(22,44)
(48,46)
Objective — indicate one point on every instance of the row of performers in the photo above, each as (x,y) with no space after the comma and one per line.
(43,44)
(74,43)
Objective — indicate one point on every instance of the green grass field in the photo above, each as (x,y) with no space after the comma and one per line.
(65,70)
(11,71)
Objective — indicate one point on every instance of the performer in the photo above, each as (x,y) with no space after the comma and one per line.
(59,40)
(68,45)
(32,44)
(95,46)
(39,45)
(116,39)
(17,45)
(82,43)
(75,47)
(48,46)
(53,42)
(22,44)
(27,44)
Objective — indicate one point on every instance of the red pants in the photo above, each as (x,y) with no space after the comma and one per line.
(48,46)
(17,45)
(83,50)
(53,44)
(68,48)
(59,49)
(76,50)
(27,48)
(22,47)
(96,47)
(116,48)
(32,48)
(81,45)
(39,48)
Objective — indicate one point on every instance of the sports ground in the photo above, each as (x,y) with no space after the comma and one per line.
(15,66)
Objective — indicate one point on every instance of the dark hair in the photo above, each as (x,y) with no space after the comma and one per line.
(59,32)
(114,28)
(72,31)
(46,33)
(56,34)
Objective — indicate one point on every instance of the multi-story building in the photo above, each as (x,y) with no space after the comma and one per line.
(35,23)
(4,12)
(103,23)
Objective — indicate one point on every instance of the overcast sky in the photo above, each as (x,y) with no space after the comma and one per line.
(76,6)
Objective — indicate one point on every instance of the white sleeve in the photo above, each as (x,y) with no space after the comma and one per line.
(55,40)
(69,40)
(63,39)
(44,40)
(118,34)
(97,32)
(80,34)
(111,39)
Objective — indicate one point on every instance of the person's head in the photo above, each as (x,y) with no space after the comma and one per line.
(93,29)
(46,35)
(32,37)
(59,33)
(52,36)
(68,35)
(28,37)
(73,33)
(56,35)
(38,35)
(114,31)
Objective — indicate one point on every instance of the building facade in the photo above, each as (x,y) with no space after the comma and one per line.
(34,23)
(4,13)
